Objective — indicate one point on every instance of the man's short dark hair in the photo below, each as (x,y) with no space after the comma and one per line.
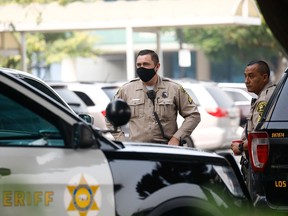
(153,55)
(262,65)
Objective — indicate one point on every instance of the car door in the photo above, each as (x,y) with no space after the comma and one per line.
(41,173)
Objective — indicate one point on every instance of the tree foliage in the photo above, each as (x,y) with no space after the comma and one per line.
(54,47)
(237,43)
(48,48)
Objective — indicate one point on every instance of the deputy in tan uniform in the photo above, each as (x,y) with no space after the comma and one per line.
(257,80)
(155,103)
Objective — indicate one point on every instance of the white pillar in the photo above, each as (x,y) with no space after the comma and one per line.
(69,70)
(202,67)
(130,61)
(23,52)
(160,53)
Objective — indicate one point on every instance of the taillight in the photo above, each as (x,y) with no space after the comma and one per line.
(217,112)
(258,147)
(103,113)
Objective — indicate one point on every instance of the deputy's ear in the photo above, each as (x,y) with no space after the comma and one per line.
(157,67)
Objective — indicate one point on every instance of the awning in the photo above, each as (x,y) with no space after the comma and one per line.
(120,14)
(141,15)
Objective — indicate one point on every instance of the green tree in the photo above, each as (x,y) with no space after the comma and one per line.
(44,49)
(240,44)
(54,47)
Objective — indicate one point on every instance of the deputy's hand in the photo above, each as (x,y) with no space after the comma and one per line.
(235,148)
(174,141)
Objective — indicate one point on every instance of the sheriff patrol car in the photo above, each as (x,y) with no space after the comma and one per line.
(52,162)
(268,152)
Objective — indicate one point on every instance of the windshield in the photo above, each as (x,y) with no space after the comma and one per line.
(280,110)
(222,99)
(20,126)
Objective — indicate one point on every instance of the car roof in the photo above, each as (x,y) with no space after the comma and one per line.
(207,94)
(37,83)
(91,93)
(240,91)
(232,85)
(236,86)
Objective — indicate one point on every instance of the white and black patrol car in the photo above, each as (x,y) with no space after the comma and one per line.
(52,162)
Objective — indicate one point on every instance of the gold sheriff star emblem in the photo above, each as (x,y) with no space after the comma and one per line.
(83,199)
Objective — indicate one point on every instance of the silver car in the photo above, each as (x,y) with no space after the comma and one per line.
(220,118)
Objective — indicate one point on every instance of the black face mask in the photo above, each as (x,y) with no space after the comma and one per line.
(145,74)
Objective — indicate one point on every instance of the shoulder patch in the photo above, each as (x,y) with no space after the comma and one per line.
(261,106)
(190,100)
(182,89)
(260,109)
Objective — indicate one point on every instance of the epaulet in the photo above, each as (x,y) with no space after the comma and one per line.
(273,85)
(172,81)
(130,81)
(136,79)
(167,79)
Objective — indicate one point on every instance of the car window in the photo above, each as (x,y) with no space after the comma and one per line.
(110,91)
(236,96)
(43,89)
(221,98)
(85,98)
(281,107)
(72,100)
(21,126)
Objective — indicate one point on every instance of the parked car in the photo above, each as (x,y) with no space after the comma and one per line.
(96,96)
(242,99)
(78,97)
(55,163)
(268,150)
(237,86)
(72,99)
(219,116)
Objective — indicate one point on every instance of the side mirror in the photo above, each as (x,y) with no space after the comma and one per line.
(118,112)
(87,118)
(83,136)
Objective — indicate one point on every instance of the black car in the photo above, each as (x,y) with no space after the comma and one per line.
(268,147)
(52,162)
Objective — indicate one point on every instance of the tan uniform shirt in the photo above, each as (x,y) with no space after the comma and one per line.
(257,109)
(170,99)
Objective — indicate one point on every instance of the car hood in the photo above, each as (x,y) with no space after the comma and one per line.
(158,151)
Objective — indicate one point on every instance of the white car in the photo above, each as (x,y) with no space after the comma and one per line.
(242,99)
(219,116)
(236,86)
(93,97)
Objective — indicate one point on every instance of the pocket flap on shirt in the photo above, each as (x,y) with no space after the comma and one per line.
(135,102)
(165,101)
